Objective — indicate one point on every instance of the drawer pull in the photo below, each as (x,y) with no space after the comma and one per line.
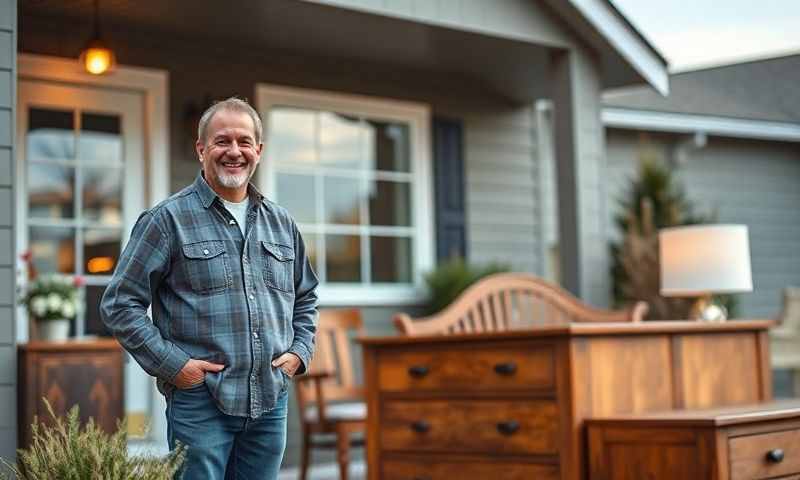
(418,371)
(508,428)
(505,368)
(421,426)
(775,456)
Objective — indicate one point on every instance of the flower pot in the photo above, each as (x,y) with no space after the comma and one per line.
(53,330)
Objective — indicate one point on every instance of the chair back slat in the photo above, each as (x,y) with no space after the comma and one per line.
(334,354)
(511,301)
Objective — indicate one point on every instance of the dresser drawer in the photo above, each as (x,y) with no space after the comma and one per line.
(748,455)
(471,426)
(453,470)
(500,368)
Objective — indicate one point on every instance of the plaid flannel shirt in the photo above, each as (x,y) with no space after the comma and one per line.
(216,295)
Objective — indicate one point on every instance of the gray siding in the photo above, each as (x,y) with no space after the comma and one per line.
(502,189)
(8,364)
(743,181)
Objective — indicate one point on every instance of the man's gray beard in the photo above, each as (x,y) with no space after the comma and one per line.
(234,181)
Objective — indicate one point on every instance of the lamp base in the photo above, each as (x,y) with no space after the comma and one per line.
(705,309)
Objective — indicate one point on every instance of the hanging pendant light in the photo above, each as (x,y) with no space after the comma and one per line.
(96,57)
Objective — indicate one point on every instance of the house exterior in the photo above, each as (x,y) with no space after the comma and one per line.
(397,133)
(732,135)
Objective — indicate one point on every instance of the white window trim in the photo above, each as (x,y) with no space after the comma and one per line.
(417,116)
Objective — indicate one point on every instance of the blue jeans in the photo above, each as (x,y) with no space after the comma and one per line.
(221,446)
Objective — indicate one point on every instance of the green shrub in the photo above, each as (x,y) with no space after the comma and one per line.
(452,277)
(67,451)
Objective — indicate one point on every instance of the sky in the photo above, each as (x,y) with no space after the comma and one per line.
(699,33)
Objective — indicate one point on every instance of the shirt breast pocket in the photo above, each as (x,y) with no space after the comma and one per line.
(278,266)
(207,266)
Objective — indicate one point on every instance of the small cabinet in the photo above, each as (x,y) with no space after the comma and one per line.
(84,373)
(738,443)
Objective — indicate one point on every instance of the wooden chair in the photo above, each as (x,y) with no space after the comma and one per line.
(512,301)
(330,401)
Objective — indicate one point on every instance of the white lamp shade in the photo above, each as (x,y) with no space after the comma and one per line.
(701,259)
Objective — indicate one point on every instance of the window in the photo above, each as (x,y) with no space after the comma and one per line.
(74,169)
(354,173)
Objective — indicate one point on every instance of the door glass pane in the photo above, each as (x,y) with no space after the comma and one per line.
(100,250)
(102,194)
(296,193)
(292,136)
(341,142)
(391,259)
(342,200)
(388,146)
(51,190)
(94,325)
(343,258)
(51,134)
(390,204)
(53,249)
(100,139)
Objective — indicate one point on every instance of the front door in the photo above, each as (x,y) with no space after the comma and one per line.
(81,169)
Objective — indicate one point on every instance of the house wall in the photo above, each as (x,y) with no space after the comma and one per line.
(8,363)
(503,217)
(750,182)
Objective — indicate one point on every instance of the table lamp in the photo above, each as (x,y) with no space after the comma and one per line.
(701,260)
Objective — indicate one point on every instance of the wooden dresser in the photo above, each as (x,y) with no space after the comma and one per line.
(84,373)
(741,443)
(511,405)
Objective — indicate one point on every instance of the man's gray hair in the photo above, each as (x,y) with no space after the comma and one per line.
(232,104)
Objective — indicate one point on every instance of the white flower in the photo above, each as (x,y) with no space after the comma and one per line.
(54,302)
(67,310)
(39,306)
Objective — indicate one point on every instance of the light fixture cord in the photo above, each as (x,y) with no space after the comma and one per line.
(96,19)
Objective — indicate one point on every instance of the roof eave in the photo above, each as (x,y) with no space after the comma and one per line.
(626,40)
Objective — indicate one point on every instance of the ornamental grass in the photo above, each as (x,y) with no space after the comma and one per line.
(65,450)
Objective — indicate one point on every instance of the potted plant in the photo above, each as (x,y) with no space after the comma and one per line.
(53,301)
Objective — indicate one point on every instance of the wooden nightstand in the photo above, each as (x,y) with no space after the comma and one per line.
(737,443)
(86,372)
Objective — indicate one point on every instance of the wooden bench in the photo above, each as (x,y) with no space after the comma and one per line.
(507,301)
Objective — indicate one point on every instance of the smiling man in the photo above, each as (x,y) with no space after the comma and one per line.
(233,303)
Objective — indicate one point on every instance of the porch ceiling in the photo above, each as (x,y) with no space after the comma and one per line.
(514,70)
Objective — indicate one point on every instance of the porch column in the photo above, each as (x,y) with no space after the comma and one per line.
(579,154)
(8,350)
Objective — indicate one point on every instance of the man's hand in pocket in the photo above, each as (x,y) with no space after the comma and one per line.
(194,372)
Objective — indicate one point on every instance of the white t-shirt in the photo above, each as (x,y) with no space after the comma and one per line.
(239,211)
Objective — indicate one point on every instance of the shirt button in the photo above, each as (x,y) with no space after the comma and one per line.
(205,252)
(252,297)
(244,259)
(232,222)
(255,334)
